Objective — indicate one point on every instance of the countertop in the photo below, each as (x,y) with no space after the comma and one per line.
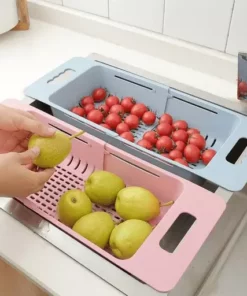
(24,57)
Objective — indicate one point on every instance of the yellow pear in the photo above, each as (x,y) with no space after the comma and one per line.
(137,203)
(102,187)
(127,237)
(53,150)
(72,205)
(96,227)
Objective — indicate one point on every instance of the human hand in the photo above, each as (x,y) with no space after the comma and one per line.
(16,177)
(16,127)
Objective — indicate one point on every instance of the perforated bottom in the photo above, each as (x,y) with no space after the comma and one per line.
(65,178)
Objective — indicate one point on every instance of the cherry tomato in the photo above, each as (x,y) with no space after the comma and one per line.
(139,109)
(192,131)
(113,120)
(166,155)
(207,155)
(95,116)
(128,136)
(149,118)
(145,144)
(99,94)
(180,135)
(111,101)
(166,118)
(86,100)
(151,136)
(122,127)
(104,109)
(197,140)
(128,103)
(88,108)
(192,153)
(164,143)
(175,154)
(78,110)
(164,129)
(242,88)
(181,161)
(180,124)
(105,125)
(118,109)
(132,121)
(179,145)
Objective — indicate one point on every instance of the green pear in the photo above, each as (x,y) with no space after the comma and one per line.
(72,205)
(95,227)
(53,150)
(102,187)
(137,203)
(127,237)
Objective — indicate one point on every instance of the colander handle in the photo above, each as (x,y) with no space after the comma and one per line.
(44,87)
(163,268)
(231,176)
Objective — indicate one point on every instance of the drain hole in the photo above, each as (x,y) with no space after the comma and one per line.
(86,166)
(206,137)
(70,161)
(237,151)
(214,141)
(177,232)
(78,164)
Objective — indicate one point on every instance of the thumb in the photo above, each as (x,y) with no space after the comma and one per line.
(28,156)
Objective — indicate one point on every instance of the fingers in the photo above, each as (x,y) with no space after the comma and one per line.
(28,156)
(44,176)
(35,127)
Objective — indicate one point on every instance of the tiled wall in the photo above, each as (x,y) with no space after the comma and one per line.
(217,24)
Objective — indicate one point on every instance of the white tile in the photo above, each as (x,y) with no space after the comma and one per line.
(98,7)
(146,14)
(237,40)
(204,22)
(55,1)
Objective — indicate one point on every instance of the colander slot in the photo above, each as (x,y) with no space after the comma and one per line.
(214,141)
(238,149)
(133,82)
(195,105)
(177,232)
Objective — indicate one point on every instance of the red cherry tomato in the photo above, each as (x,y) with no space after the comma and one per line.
(179,145)
(166,155)
(122,127)
(192,153)
(192,131)
(86,100)
(164,143)
(105,126)
(175,154)
(78,110)
(180,124)
(88,108)
(151,136)
(104,109)
(166,118)
(99,94)
(111,101)
(242,88)
(128,136)
(181,161)
(197,140)
(180,135)
(149,118)
(95,116)
(139,109)
(113,120)
(145,144)
(128,103)
(164,129)
(207,155)
(132,121)
(118,109)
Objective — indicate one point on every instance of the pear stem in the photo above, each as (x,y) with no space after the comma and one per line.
(169,203)
(76,135)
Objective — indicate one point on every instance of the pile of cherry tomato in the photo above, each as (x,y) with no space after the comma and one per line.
(172,139)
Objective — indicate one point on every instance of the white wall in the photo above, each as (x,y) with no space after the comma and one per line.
(216,24)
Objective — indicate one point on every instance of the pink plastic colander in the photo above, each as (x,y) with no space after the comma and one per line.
(159,268)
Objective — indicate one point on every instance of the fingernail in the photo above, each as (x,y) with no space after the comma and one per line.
(36,150)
